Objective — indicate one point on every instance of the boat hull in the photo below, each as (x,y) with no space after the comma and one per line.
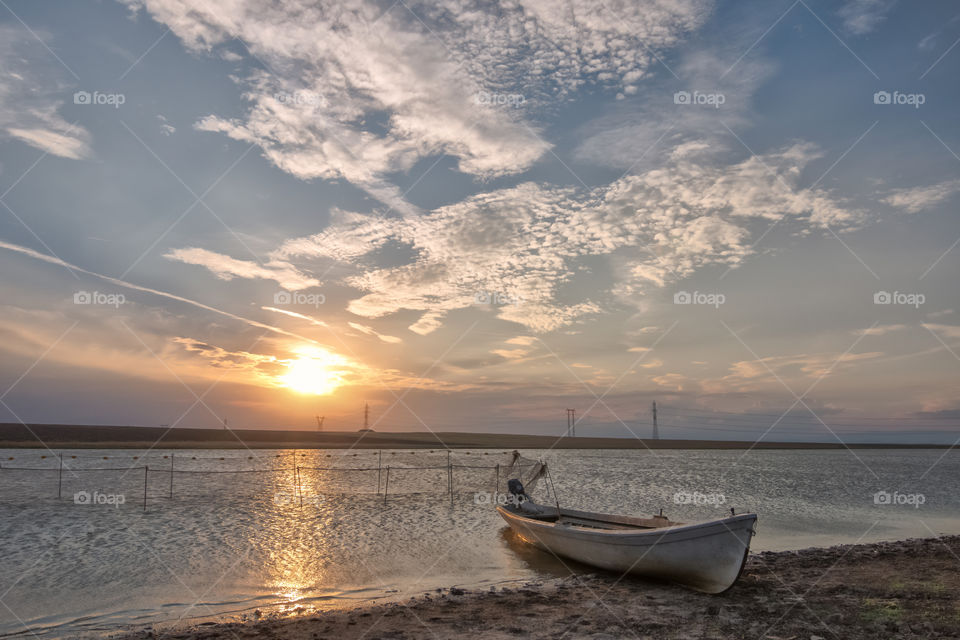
(707,557)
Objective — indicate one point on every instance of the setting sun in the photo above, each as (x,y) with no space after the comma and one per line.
(314,371)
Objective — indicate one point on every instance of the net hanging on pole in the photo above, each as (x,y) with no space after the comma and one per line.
(284,477)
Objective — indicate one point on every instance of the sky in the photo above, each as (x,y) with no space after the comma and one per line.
(473,216)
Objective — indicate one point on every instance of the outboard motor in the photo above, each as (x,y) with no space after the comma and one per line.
(515,487)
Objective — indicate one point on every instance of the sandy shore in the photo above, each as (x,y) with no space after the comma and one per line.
(908,589)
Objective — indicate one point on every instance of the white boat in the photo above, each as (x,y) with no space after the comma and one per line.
(707,556)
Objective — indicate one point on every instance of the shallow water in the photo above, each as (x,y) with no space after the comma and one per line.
(230,543)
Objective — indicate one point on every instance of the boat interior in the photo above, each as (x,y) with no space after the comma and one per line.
(597,520)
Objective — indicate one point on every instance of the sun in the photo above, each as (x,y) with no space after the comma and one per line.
(314,371)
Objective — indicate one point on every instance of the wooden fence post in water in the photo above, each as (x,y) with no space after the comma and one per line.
(386,486)
(146,470)
(294,468)
(299,488)
(496,486)
(379,468)
(60,478)
(450,482)
(171,475)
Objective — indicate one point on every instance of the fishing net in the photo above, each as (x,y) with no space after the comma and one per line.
(122,478)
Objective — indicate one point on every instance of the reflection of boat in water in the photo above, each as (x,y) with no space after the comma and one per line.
(534,559)
(707,556)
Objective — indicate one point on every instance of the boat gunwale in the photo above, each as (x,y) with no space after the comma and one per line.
(652,536)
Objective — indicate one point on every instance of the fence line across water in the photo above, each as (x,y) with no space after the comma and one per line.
(304,476)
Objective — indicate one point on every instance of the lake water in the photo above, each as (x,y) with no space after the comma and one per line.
(227,544)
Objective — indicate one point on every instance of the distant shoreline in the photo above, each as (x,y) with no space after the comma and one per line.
(19,436)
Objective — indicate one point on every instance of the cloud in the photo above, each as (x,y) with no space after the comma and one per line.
(29,98)
(917,199)
(370,331)
(746,373)
(352,92)
(861,17)
(299,316)
(227,268)
(882,329)
(432,75)
(510,354)
(135,287)
(518,248)
(950,331)
(166,128)
(677,382)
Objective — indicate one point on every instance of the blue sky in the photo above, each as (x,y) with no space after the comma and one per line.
(472,215)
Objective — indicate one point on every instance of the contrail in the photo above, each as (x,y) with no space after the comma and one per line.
(128,285)
(294,314)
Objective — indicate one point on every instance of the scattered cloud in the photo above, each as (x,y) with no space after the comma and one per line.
(510,354)
(227,268)
(166,128)
(135,287)
(917,199)
(882,329)
(30,97)
(435,75)
(861,17)
(370,331)
(523,243)
(746,373)
(950,331)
